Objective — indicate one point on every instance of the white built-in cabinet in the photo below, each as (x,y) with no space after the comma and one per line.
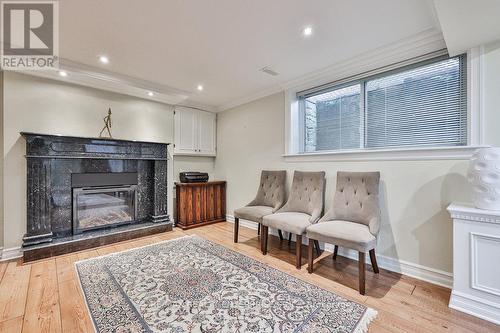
(194,132)
(476,258)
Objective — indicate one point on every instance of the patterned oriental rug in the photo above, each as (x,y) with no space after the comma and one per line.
(190,284)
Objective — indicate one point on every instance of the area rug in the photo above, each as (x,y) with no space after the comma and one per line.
(190,284)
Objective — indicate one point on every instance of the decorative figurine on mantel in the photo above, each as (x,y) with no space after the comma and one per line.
(107,126)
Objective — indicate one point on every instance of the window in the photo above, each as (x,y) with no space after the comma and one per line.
(419,105)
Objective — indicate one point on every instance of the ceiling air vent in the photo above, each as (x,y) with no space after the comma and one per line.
(269,71)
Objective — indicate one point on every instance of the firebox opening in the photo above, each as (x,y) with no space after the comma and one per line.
(103,200)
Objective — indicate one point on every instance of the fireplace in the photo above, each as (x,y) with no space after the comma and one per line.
(87,192)
(102,200)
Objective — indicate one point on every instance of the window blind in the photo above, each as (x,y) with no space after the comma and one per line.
(333,120)
(426,105)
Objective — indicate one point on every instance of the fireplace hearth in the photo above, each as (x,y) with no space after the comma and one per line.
(88,190)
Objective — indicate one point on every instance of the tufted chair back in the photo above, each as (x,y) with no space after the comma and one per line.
(272,189)
(307,194)
(356,199)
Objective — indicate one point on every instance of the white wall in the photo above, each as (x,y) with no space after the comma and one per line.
(52,107)
(416,226)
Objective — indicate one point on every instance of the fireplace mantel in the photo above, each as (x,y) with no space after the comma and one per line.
(52,159)
(59,146)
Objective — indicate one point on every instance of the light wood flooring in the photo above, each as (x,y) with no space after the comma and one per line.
(44,296)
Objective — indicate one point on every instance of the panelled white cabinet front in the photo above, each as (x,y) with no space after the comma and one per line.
(476,261)
(206,133)
(195,132)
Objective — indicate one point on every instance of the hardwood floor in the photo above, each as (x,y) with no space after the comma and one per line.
(45,296)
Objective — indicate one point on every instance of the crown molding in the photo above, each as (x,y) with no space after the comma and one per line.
(425,42)
(102,79)
(250,98)
(197,106)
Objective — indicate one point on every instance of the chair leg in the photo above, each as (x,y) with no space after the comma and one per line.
(289,238)
(318,249)
(298,251)
(258,229)
(236,229)
(361,263)
(280,234)
(373,259)
(263,239)
(310,255)
(335,250)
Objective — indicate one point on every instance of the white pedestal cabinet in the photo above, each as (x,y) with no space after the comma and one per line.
(194,132)
(476,261)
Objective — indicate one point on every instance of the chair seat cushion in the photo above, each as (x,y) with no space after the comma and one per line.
(253,213)
(296,223)
(352,235)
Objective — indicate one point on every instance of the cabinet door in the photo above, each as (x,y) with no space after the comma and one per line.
(186,121)
(206,133)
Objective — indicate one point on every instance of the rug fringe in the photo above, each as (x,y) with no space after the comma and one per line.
(364,322)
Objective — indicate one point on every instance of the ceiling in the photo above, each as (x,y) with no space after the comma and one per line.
(467,23)
(222,44)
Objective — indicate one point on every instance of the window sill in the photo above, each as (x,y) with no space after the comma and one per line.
(396,154)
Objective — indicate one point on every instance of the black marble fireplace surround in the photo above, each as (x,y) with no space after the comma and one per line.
(55,163)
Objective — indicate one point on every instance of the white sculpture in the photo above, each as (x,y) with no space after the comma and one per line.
(484,174)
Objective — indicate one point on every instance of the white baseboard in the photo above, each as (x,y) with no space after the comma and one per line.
(11,253)
(475,306)
(428,274)
(244,223)
(417,271)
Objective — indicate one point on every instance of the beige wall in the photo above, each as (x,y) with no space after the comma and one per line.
(47,106)
(491,93)
(416,226)
(1,163)
(194,163)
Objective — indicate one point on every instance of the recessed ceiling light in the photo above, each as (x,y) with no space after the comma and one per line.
(199,87)
(151,94)
(63,73)
(104,59)
(307,31)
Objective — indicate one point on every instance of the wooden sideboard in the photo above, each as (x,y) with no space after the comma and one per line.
(200,203)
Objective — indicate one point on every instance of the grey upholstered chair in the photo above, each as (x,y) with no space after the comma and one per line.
(270,197)
(303,208)
(353,221)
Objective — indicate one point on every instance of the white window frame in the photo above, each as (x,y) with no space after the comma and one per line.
(294,136)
